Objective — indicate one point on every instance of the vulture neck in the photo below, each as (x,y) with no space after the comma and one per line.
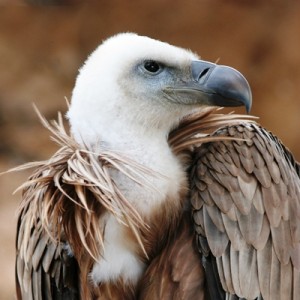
(164,182)
(148,146)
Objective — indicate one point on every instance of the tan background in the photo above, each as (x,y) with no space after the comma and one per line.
(41,48)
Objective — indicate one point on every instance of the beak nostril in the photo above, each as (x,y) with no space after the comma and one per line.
(202,75)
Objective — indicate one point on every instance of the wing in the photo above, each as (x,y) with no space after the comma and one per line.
(46,271)
(176,273)
(245,196)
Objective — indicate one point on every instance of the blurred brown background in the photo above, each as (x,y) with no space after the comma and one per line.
(42,47)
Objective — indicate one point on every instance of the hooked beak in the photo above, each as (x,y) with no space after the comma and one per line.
(212,85)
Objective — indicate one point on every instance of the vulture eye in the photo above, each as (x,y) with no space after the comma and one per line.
(152,66)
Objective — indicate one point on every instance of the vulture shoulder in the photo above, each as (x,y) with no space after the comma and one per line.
(245,197)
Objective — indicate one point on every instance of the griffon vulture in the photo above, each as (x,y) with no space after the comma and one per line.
(155,194)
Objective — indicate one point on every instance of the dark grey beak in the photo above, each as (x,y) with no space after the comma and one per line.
(225,86)
(212,85)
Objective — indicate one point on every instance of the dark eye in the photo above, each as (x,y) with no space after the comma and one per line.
(152,66)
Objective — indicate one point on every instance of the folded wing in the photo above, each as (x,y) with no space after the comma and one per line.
(245,197)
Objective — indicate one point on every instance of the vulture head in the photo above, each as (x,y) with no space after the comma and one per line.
(149,86)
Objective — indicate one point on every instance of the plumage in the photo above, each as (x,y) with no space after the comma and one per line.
(265,228)
(155,194)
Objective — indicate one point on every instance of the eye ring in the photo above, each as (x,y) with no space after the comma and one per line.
(152,66)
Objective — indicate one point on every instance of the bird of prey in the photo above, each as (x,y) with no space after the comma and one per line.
(154,193)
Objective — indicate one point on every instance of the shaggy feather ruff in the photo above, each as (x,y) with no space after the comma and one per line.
(70,192)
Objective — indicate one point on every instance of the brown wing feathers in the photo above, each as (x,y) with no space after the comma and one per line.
(245,197)
(176,273)
(50,273)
